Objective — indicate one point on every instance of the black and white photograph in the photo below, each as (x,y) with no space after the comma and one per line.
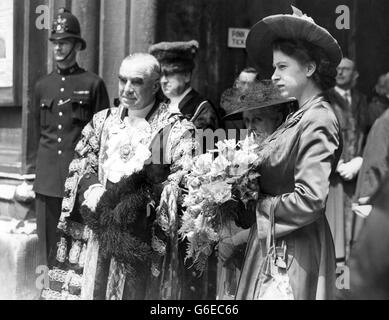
(211,151)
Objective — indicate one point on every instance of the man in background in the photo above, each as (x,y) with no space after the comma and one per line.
(245,79)
(351,108)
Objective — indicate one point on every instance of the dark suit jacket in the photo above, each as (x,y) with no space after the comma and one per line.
(375,166)
(369,262)
(377,106)
(360,112)
(199,110)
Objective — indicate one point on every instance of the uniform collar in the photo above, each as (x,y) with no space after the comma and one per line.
(68,71)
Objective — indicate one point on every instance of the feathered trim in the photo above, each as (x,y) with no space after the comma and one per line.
(120,221)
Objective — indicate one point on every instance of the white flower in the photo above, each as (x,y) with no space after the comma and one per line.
(248,144)
(227,148)
(202,164)
(220,191)
(242,162)
(187,163)
(226,144)
(219,166)
(195,183)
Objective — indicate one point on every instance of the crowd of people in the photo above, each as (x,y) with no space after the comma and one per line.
(111,179)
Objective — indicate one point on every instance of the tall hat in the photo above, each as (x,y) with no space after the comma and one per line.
(296,26)
(175,57)
(65,26)
(262,94)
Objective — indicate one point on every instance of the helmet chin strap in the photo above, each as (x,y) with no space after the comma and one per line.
(70,52)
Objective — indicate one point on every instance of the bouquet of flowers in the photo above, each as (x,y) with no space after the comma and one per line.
(211,182)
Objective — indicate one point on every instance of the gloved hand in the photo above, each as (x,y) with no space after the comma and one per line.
(225,249)
(24,193)
(362,210)
(349,170)
(92,196)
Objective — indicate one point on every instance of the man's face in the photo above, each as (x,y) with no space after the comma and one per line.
(137,88)
(63,50)
(244,81)
(174,84)
(346,74)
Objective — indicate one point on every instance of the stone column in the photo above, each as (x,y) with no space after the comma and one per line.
(34,67)
(143,24)
(88,13)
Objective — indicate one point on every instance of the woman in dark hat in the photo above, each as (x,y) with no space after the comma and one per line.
(263,110)
(297,158)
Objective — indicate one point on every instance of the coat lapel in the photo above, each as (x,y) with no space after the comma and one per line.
(188,106)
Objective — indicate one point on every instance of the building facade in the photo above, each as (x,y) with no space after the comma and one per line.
(114,29)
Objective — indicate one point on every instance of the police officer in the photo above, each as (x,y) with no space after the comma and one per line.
(64,101)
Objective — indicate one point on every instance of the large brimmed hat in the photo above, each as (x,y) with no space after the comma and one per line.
(261,95)
(175,56)
(66,26)
(296,26)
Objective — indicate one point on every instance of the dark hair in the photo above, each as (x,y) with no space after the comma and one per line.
(305,52)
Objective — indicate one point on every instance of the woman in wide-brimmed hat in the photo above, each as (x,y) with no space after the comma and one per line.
(299,157)
(263,109)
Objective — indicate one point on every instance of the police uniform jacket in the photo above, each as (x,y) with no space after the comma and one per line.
(64,102)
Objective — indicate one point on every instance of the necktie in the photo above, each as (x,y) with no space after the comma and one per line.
(347,97)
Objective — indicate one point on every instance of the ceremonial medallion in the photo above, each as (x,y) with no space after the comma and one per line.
(126,152)
(75,252)
(61,251)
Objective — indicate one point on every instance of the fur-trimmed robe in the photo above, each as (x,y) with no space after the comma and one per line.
(177,135)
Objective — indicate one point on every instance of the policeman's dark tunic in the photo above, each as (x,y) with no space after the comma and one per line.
(64,101)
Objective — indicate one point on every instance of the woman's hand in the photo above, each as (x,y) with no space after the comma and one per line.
(349,170)
(225,249)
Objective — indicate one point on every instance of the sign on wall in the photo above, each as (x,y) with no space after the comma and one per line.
(237,37)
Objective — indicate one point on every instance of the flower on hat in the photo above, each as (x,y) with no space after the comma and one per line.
(298,13)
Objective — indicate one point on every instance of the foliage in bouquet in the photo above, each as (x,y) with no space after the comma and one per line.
(215,178)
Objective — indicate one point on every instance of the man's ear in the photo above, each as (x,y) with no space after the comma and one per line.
(156,85)
(77,45)
(356,75)
(311,68)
